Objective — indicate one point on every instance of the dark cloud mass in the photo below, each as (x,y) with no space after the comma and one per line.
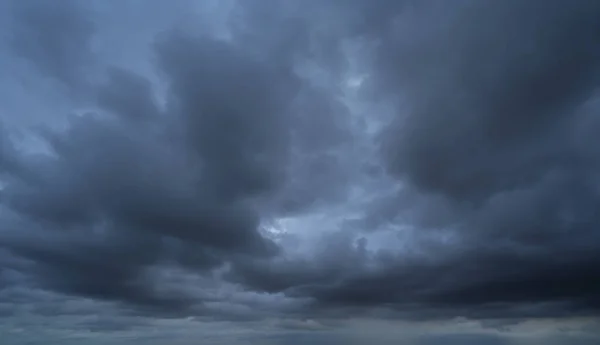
(423,160)
(115,193)
(491,123)
(56,38)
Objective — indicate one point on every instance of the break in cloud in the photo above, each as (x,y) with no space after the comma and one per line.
(282,172)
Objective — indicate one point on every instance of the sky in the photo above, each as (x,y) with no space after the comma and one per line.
(282,172)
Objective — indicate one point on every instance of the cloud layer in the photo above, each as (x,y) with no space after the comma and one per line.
(255,161)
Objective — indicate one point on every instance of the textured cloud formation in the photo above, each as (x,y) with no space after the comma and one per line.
(56,39)
(130,187)
(295,168)
(490,140)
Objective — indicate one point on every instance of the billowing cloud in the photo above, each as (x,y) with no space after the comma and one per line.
(489,138)
(299,167)
(56,38)
(131,185)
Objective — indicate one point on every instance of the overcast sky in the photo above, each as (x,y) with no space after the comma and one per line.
(289,172)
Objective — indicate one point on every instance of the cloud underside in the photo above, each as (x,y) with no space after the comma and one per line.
(484,171)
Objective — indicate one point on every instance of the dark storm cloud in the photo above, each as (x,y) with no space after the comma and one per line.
(492,140)
(494,129)
(289,36)
(488,105)
(107,270)
(232,111)
(128,95)
(464,339)
(8,154)
(495,125)
(118,195)
(55,37)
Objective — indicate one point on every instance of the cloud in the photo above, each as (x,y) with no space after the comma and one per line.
(311,164)
(464,339)
(117,196)
(489,141)
(56,39)
(7,152)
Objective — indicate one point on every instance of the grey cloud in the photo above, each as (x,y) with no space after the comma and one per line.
(134,184)
(487,91)
(493,125)
(128,95)
(117,196)
(206,77)
(56,37)
(7,152)
(464,339)
(156,196)
(488,142)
